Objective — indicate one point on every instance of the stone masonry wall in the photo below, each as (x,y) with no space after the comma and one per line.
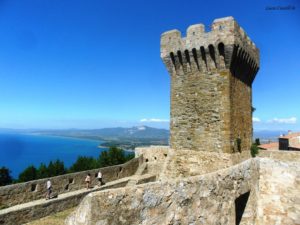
(241,114)
(168,163)
(211,77)
(279,192)
(187,163)
(215,198)
(25,192)
(200,111)
(207,199)
(155,158)
(285,156)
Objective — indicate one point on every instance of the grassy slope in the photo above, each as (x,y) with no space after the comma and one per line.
(56,219)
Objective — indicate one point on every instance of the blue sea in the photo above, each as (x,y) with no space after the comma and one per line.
(18,151)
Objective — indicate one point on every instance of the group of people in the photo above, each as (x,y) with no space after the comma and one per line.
(87,182)
(88,179)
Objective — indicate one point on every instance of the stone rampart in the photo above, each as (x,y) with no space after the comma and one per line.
(257,191)
(279,192)
(168,163)
(20,214)
(215,198)
(280,155)
(11,195)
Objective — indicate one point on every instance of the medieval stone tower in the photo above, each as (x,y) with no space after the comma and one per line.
(211,86)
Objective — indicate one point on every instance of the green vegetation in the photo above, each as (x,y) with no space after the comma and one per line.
(257,141)
(54,219)
(30,173)
(53,169)
(254,149)
(83,163)
(113,156)
(5,177)
(133,143)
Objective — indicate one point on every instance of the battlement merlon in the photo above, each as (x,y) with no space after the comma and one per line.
(224,30)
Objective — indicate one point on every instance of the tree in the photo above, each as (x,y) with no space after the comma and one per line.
(30,173)
(113,156)
(257,141)
(116,155)
(84,163)
(56,168)
(129,156)
(42,171)
(104,159)
(5,177)
(254,150)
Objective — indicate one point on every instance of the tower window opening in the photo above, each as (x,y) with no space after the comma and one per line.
(194,51)
(180,57)
(173,59)
(212,54)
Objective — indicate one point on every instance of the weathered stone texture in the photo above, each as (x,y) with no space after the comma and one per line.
(168,163)
(155,158)
(274,188)
(211,78)
(279,193)
(25,192)
(206,199)
(185,163)
(293,156)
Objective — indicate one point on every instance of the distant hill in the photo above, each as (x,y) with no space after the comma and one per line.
(268,135)
(119,136)
(143,132)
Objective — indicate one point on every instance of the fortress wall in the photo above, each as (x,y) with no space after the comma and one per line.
(168,163)
(241,114)
(154,156)
(280,155)
(25,192)
(206,199)
(279,192)
(33,212)
(185,163)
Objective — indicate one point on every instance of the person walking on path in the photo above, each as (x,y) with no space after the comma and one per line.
(49,189)
(88,181)
(99,176)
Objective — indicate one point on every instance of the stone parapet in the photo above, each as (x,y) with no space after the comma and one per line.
(190,200)
(14,194)
(285,156)
(226,44)
(257,191)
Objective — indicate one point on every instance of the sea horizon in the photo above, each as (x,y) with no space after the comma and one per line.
(20,150)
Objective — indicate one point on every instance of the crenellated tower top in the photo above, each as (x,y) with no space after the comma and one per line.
(226,39)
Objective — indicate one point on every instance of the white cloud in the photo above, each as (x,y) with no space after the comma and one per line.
(256,120)
(291,120)
(153,120)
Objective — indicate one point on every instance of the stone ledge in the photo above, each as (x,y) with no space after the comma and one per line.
(29,211)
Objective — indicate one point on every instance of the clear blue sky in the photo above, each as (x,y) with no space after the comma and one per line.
(96,63)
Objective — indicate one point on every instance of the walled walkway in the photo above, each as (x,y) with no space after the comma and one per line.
(22,213)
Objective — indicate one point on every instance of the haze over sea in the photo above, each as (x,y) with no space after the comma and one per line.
(18,151)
